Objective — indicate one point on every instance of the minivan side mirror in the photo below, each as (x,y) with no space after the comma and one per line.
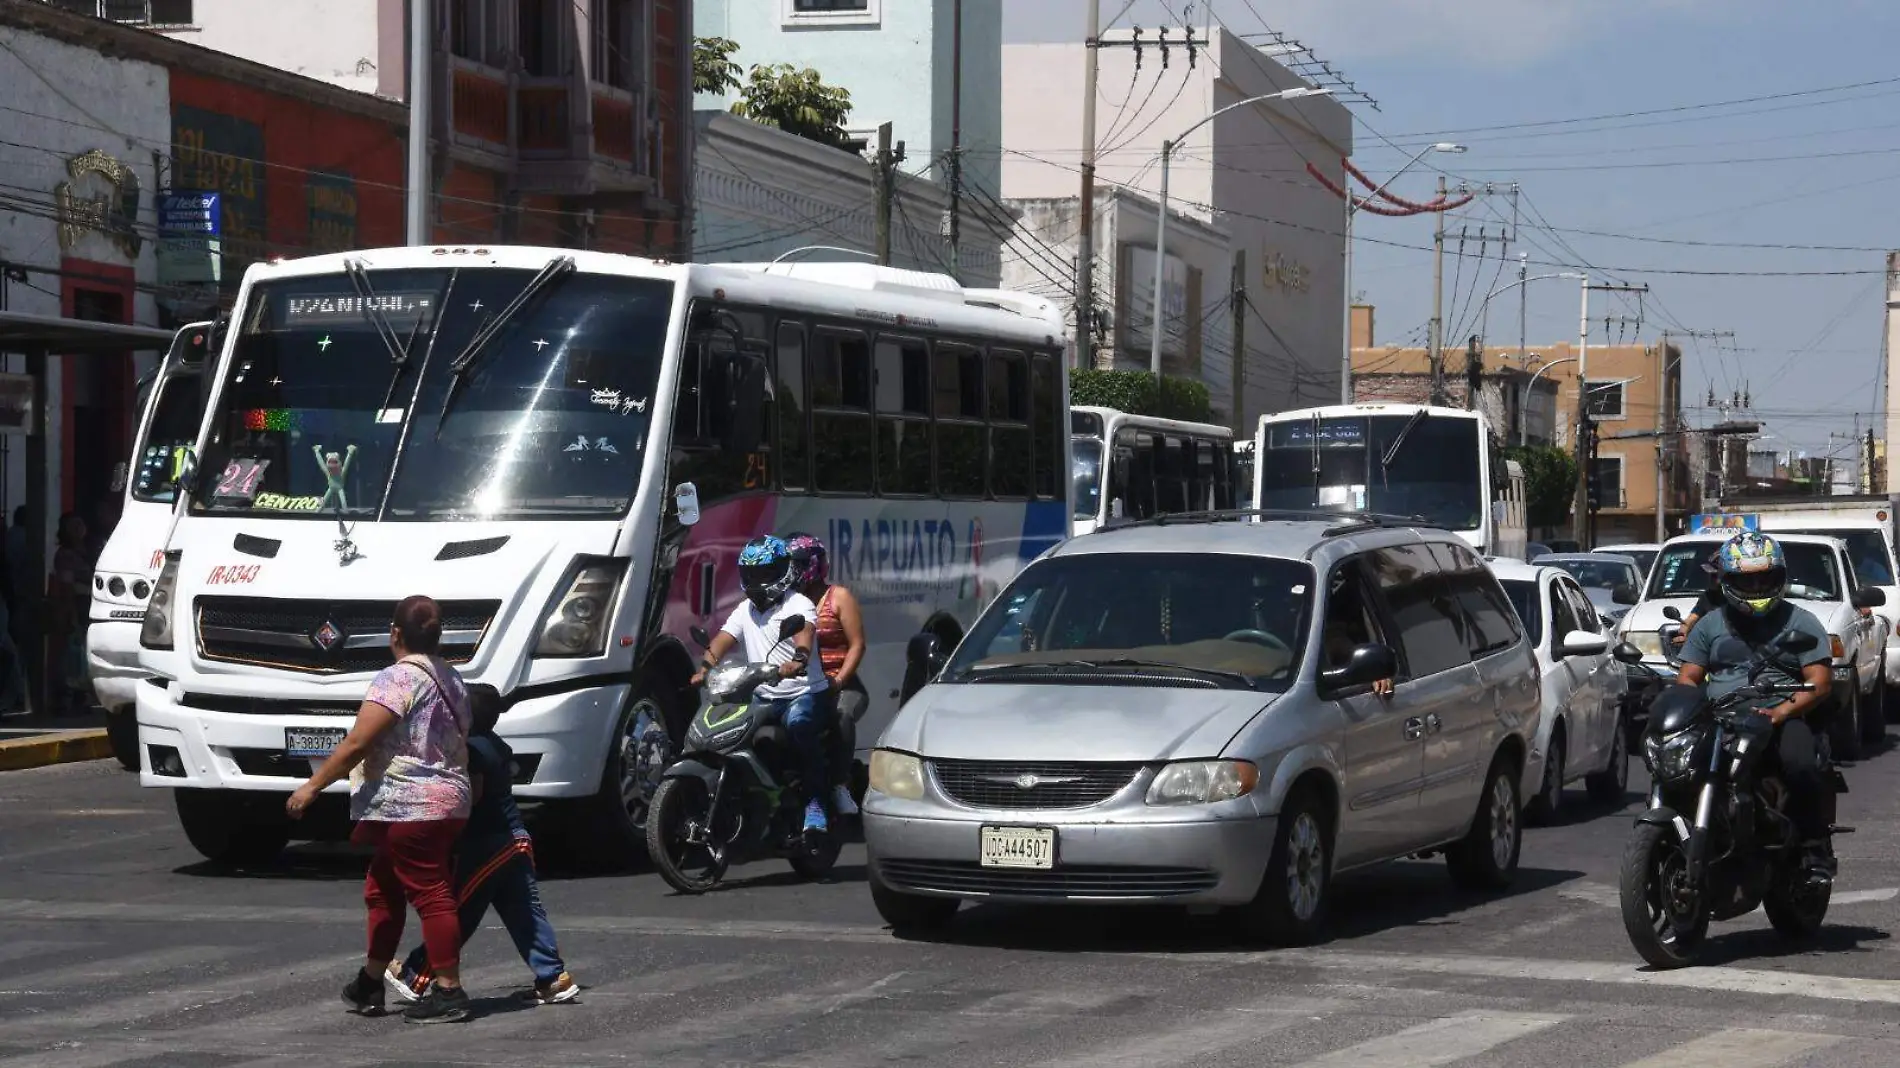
(1368,664)
(1623,594)
(924,659)
(1869,597)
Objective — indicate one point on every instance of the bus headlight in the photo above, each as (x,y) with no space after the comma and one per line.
(577,623)
(157,630)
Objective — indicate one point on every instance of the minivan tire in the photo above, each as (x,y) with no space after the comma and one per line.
(911,913)
(1486,857)
(1290,907)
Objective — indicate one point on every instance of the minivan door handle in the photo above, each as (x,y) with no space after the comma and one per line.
(1414,728)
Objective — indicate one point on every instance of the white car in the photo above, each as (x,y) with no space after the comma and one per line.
(1579,734)
(1644,553)
(1821,580)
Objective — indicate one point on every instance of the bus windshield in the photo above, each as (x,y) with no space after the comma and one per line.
(174,429)
(1434,471)
(324,408)
(1086,491)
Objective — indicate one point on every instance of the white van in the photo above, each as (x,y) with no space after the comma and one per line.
(130,562)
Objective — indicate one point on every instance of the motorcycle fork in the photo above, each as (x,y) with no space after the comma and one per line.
(1697,853)
(705,829)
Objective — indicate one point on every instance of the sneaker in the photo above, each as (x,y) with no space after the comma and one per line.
(438,1006)
(561,988)
(364,995)
(815,817)
(401,985)
(841,801)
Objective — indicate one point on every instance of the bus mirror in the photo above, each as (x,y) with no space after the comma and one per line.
(686,500)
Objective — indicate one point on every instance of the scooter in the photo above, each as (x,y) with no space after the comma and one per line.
(733,795)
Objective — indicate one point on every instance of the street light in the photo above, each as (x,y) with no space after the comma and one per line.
(1484,309)
(1352,208)
(1161,220)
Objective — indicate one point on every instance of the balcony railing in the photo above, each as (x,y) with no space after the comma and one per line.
(547,118)
(504,116)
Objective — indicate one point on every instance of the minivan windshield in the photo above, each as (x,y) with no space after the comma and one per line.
(1237,621)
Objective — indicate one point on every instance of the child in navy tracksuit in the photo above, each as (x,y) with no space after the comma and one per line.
(494,865)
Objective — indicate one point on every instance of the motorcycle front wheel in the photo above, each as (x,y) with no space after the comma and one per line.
(679,842)
(1666,923)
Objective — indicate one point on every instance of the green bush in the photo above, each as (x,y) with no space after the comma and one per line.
(1134,392)
(1550,483)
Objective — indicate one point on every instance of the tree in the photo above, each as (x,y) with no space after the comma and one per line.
(1550,483)
(796,101)
(1134,392)
(713,68)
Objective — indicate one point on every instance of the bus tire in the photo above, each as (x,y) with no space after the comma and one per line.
(122,733)
(222,827)
(645,741)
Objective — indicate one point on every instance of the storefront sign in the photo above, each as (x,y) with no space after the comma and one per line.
(101,197)
(189,250)
(224,155)
(332,202)
(1279,272)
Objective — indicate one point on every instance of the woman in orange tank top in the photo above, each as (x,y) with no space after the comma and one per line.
(840,643)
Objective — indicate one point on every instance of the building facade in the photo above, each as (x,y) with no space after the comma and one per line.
(1243,174)
(1635,403)
(1197,286)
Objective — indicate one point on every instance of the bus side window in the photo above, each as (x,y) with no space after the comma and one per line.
(1049,436)
(902,385)
(794,453)
(721,382)
(1139,502)
(844,437)
(1011,464)
(1172,461)
(957,388)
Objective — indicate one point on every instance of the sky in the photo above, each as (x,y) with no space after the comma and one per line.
(1670,198)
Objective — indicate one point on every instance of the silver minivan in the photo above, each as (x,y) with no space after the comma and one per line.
(1190,710)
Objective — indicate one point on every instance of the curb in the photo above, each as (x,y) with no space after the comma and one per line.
(62,748)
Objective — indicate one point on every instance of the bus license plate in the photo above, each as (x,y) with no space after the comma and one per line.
(1018,847)
(312,741)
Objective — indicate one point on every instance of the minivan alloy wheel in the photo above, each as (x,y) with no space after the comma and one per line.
(1306,866)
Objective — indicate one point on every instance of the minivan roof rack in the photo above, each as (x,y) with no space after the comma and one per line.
(1347,521)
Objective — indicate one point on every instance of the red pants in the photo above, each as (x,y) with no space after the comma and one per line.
(414,863)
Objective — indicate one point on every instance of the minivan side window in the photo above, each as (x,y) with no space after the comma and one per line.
(1350,619)
(1431,625)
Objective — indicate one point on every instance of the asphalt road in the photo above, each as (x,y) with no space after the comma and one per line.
(118,948)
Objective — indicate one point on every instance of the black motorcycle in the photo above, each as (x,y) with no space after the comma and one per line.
(1716,840)
(734,796)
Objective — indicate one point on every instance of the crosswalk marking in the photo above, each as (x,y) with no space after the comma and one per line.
(1739,1048)
(1439,1042)
(190,993)
(1201,1036)
(71,975)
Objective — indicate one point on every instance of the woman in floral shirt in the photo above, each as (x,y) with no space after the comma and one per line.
(407,761)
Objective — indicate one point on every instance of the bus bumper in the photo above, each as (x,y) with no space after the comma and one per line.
(559,741)
(112,662)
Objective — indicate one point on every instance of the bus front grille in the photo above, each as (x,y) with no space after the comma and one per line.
(325,637)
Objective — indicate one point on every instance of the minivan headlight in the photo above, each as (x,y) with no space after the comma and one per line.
(896,774)
(1203,782)
(578,622)
(156,633)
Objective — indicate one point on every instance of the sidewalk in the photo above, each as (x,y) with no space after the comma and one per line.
(31,741)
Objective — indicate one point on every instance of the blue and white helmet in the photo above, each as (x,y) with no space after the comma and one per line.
(765,570)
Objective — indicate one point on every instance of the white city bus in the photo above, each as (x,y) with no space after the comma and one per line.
(566,450)
(129,564)
(1137,466)
(1441,464)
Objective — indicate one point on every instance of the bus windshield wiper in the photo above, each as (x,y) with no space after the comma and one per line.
(408,418)
(359,278)
(1392,451)
(559,267)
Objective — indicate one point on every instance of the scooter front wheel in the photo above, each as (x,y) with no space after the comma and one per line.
(680,839)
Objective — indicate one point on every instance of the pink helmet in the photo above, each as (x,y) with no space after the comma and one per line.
(810,561)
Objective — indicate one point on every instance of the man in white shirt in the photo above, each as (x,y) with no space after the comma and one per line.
(766,574)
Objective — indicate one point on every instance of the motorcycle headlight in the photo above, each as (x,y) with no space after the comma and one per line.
(724,679)
(156,633)
(577,624)
(1203,782)
(896,774)
(1671,757)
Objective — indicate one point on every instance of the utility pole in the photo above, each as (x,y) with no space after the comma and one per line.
(1085,236)
(420,77)
(956,140)
(1581,519)
(885,167)
(1474,372)
(1663,396)
(1523,307)
(1437,349)
(1238,286)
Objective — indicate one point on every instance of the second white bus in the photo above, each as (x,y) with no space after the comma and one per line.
(1139,466)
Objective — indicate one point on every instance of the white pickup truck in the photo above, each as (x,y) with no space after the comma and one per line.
(1819,580)
(1866,524)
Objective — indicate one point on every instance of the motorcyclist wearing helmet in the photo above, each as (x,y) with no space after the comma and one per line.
(840,651)
(768,578)
(1753,574)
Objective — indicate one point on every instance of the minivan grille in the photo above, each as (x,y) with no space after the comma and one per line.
(325,637)
(1031,784)
(1082,881)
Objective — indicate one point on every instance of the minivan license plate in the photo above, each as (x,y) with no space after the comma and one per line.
(1018,847)
(312,741)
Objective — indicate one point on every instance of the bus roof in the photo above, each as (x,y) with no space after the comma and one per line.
(1333,411)
(1115,416)
(842,289)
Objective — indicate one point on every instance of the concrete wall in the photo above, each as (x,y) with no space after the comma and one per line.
(895,59)
(63,101)
(1242,173)
(330,40)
